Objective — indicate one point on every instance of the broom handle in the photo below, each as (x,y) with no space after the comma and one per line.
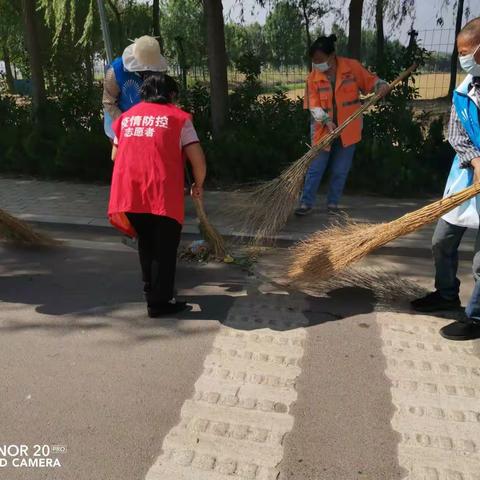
(446,204)
(197,202)
(371,101)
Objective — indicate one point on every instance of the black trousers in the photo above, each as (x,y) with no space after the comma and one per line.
(158,240)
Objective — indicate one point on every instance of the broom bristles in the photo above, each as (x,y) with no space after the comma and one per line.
(388,288)
(16,231)
(268,207)
(209,232)
(328,252)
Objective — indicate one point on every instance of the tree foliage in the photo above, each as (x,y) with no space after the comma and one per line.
(259,127)
(12,46)
(242,38)
(73,16)
(284,35)
(183,20)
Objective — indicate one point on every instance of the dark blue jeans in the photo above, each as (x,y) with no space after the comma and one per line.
(445,243)
(340,160)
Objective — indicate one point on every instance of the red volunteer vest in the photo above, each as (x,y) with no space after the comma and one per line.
(148,175)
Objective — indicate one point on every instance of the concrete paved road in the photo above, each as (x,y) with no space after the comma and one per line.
(254,383)
(80,363)
(382,395)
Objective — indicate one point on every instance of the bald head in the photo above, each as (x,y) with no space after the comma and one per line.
(470,33)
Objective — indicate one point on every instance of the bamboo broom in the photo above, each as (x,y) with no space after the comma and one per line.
(209,232)
(15,231)
(267,209)
(329,252)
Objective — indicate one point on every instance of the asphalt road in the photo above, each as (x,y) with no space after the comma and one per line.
(81,365)
(293,386)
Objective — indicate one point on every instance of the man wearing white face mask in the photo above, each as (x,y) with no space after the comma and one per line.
(124,78)
(332,95)
(464,136)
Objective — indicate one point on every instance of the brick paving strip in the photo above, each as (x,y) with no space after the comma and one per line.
(234,425)
(436,392)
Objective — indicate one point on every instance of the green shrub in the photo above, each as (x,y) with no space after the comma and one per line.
(69,144)
(402,152)
(263,133)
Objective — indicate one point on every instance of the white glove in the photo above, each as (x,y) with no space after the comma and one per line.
(319,115)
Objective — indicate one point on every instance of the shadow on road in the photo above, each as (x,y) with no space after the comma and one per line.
(94,289)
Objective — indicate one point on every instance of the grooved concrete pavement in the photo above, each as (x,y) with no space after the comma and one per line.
(254,383)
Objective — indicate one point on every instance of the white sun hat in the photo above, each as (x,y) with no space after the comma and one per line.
(144,54)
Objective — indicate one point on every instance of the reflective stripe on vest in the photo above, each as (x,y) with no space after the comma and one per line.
(353,102)
(347,81)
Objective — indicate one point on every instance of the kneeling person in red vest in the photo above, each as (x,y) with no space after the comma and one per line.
(147,193)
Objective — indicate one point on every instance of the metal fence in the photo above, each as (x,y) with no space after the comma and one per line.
(432,80)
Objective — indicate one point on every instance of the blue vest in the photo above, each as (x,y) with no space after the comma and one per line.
(467,214)
(129,84)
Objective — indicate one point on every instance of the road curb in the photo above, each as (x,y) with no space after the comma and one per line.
(395,248)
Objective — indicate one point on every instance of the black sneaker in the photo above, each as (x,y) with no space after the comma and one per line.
(303,210)
(168,308)
(334,210)
(461,331)
(434,302)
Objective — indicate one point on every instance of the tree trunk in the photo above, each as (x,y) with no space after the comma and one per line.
(454,59)
(308,37)
(89,73)
(181,61)
(355,28)
(412,49)
(39,97)
(156,23)
(217,63)
(379,8)
(8,70)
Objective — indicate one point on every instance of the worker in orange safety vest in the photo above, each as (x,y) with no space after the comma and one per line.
(332,95)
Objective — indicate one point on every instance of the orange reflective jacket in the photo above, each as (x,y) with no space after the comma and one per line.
(351,78)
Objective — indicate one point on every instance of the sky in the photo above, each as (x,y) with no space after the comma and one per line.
(426,16)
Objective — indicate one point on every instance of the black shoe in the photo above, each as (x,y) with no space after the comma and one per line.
(461,331)
(334,211)
(303,210)
(434,302)
(164,309)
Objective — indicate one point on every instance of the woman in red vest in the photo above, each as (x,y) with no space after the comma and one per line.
(332,95)
(147,192)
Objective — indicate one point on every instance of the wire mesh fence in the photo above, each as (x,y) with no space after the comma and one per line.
(432,80)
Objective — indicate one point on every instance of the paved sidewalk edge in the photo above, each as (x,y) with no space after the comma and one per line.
(191,228)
